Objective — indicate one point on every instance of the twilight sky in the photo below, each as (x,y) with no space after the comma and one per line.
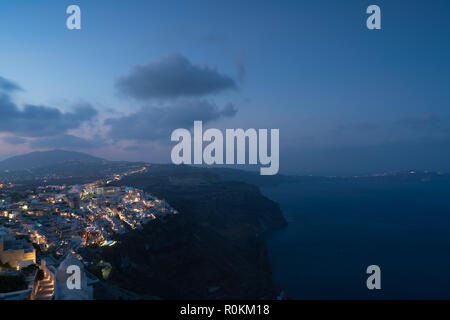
(346,99)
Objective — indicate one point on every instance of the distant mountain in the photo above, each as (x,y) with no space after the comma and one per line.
(45,158)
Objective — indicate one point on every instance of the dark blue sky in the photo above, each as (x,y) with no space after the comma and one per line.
(346,99)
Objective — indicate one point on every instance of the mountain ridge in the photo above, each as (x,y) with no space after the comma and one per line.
(44,158)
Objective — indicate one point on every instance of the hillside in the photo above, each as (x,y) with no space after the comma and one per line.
(212,249)
(44,158)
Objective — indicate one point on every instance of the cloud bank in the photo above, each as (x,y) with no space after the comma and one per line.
(13,140)
(64,141)
(40,121)
(157,123)
(8,85)
(173,76)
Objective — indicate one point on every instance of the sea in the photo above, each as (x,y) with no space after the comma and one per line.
(337,229)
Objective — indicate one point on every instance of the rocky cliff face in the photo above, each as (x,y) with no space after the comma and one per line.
(211,195)
(211,250)
(180,259)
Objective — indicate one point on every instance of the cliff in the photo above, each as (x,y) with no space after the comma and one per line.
(211,250)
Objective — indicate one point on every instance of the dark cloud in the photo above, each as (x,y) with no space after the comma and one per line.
(214,37)
(355,128)
(426,123)
(229,110)
(133,148)
(8,86)
(40,121)
(170,77)
(13,140)
(159,122)
(66,141)
(241,67)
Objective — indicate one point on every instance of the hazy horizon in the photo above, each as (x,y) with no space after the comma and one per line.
(251,168)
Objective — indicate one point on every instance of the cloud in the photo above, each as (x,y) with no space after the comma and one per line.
(229,110)
(173,76)
(214,37)
(13,140)
(158,123)
(133,148)
(40,121)
(8,86)
(66,141)
(425,123)
(355,128)
(241,67)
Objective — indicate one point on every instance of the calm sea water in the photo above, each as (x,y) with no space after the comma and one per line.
(337,229)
